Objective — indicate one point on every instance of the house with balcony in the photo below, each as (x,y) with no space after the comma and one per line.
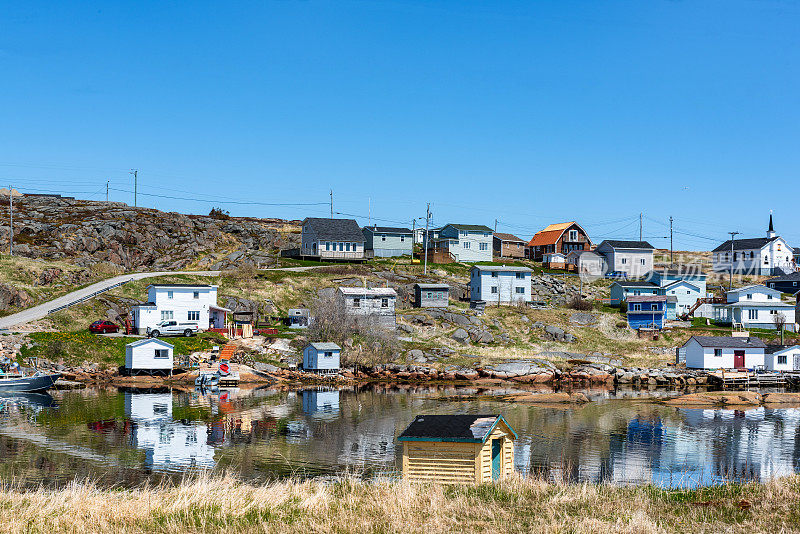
(687,284)
(634,258)
(760,256)
(754,306)
(560,237)
(462,242)
(388,242)
(500,284)
(332,239)
(647,311)
(184,303)
(508,246)
(622,289)
(586,262)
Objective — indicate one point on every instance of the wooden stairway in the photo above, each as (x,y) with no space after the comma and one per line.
(227,351)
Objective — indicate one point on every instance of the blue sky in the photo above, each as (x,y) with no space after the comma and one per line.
(528,112)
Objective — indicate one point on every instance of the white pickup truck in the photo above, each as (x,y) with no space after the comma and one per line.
(173,328)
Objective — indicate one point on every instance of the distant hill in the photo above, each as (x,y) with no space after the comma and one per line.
(85,232)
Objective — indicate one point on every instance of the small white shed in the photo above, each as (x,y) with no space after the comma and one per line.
(782,358)
(149,356)
(323,358)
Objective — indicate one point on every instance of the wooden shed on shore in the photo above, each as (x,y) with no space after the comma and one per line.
(431,295)
(458,449)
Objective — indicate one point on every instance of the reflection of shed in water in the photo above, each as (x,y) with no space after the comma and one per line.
(321,403)
(458,449)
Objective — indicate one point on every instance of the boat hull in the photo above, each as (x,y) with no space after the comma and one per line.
(28,384)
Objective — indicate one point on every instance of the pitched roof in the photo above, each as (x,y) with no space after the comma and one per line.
(551,234)
(758,287)
(369,292)
(504,268)
(772,349)
(335,229)
(614,243)
(647,298)
(469,428)
(387,230)
(507,237)
(745,244)
(470,227)
(433,286)
(325,346)
(729,342)
(635,283)
(793,277)
(147,340)
(683,270)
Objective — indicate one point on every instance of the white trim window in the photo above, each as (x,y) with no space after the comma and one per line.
(161,354)
(167,315)
(718,353)
(193,316)
(752,315)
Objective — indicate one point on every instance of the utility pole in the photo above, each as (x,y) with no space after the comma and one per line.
(671,250)
(331,203)
(107,190)
(11,207)
(640,225)
(427,222)
(135,173)
(730,280)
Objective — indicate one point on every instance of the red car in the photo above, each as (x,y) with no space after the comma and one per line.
(102,327)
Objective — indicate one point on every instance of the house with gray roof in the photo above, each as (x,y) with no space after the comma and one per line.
(764,256)
(711,352)
(332,239)
(464,242)
(322,358)
(788,283)
(634,258)
(500,284)
(388,241)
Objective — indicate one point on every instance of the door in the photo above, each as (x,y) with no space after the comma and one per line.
(796,363)
(497,459)
(738,359)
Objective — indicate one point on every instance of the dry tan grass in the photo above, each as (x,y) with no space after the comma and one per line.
(516,505)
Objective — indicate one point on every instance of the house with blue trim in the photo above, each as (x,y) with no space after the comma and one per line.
(622,289)
(647,311)
(464,242)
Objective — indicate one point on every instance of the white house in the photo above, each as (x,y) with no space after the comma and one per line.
(500,283)
(388,242)
(634,258)
(376,303)
(766,256)
(782,358)
(331,239)
(149,356)
(587,263)
(322,358)
(709,352)
(185,303)
(755,306)
(465,242)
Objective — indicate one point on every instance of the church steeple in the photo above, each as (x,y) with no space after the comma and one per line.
(771,231)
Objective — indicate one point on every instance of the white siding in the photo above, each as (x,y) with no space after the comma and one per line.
(500,286)
(142,356)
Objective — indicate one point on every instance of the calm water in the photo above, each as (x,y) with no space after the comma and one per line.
(124,437)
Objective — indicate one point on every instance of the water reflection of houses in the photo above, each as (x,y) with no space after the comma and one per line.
(322,404)
(168,444)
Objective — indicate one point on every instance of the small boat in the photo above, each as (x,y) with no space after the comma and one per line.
(28,384)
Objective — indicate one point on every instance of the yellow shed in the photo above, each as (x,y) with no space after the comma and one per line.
(458,449)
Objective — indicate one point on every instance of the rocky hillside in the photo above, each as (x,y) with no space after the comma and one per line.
(85,233)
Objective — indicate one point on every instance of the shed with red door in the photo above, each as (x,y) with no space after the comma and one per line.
(712,352)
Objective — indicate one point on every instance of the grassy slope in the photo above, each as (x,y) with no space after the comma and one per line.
(214,505)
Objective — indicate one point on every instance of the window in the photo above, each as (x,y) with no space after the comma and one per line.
(769,297)
(196,295)
(688,292)
(782,360)
(170,294)
(718,353)
(328,354)
(779,247)
(347,247)
(484,246)
(166,315)
(637,292)
(494,274)
(494,290)
(520,290)
(573,235)
(520,276)
(383,237)
(327,245)
(485,234)
(402,238)
(161,354)
(749,296)
(193,316)
(624,261)
(466,244)
(642,261)
(463,233)
(356,302)
(766,260)
(637,307)
(384,303)
(341,247)
(752,314)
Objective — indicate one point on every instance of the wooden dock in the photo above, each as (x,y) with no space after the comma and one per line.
(746,379)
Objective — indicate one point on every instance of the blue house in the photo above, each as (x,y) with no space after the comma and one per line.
(622,289)
(388,242)
(322,358)
(647,311)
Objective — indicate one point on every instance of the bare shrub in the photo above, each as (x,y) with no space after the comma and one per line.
(779,320)
(364,341)
(578,303)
